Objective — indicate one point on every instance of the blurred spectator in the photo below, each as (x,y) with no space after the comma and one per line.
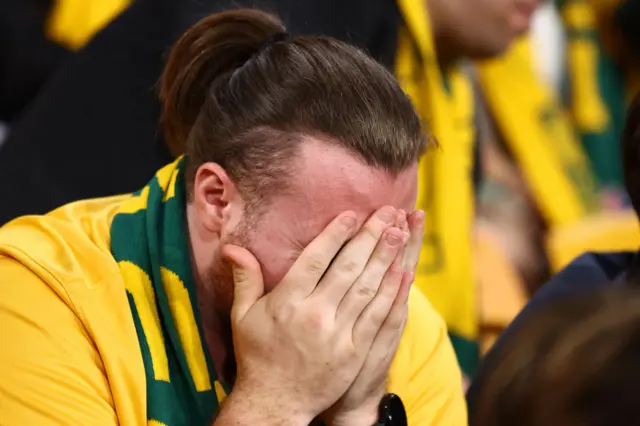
(573,363)
(27,57)
(586,273)
(36,37)
(601,79)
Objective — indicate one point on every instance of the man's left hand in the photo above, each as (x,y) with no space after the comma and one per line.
(359,406)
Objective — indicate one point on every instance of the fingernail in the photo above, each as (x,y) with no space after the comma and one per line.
(393,240)
(387,216)
(348,222)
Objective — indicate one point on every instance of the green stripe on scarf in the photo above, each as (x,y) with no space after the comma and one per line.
(150,243)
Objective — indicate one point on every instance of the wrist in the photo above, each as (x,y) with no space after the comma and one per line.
(365,415)
(250,406)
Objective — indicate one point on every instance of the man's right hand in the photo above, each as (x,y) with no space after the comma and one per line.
(300,347)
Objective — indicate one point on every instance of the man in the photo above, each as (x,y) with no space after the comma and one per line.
(102,104)
(586,273)
(217,276)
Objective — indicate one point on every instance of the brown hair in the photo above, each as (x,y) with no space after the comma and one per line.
(573,363)
(231,98)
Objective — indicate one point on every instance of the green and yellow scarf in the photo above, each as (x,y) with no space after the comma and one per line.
(599,91)
(150,243)
(539,135)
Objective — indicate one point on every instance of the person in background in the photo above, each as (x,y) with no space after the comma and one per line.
(217,279)
(37,37)
(602,78)
(572,363)
(586,273)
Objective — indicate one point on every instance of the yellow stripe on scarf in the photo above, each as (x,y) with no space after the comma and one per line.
(182,311)
(589,112)
(138,284)
(539,135)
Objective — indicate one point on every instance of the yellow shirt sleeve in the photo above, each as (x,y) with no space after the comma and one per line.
(425,372)
(50,371)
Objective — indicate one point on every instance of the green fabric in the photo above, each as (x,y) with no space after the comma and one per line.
(152,238)
(467,352)
(603,148)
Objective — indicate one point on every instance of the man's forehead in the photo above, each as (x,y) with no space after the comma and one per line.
(330,180)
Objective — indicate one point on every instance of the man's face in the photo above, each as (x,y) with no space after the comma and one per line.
(482,29)
(328,181)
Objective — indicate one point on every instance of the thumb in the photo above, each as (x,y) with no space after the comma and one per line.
(247,278)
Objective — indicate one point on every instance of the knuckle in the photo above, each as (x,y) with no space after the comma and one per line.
(284,312)
(347,350)
(373,230)
(350,266)
(314,265)
(378,316)
(316,321)
(366,291)
(398,319)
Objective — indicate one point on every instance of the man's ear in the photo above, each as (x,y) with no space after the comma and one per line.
(213,190)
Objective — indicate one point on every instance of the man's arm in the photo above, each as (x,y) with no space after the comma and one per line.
(51,373)
(425,372)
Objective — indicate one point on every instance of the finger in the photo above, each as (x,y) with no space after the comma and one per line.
(416,231)
(368,324)
(314,260)
(405,288)
(353,258)
(247,278)
(398,262)
(366,287)
(387,339)
(401,222)
(404,226)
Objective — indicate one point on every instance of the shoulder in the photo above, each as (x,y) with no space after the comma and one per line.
(70,244)
(425,372)
(588,272)
(64,305)
(50,353)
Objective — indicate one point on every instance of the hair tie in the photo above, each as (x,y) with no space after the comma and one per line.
(272,39)
(267,42)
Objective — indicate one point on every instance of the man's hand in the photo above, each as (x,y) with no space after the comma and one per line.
(300,347)
(359,406)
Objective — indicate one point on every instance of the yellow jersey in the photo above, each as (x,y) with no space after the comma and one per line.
(70,353)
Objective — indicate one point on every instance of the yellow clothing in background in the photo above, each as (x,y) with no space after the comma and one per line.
(73,22)
(539,135)
(446,191)
(71,354)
